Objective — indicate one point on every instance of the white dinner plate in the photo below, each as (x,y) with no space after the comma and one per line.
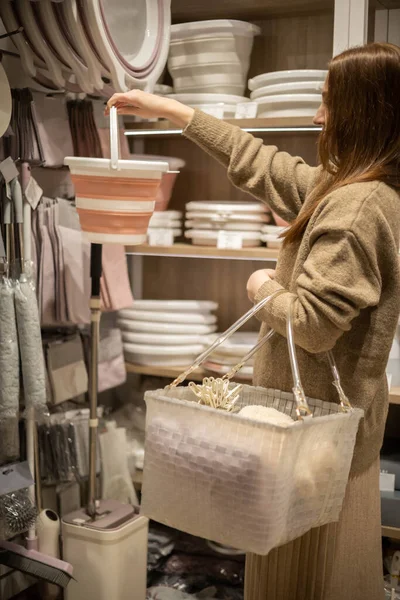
(157,350)
(158,327)
(169,317)
(194,306)
(277,77)
(208,98)
(291,87)
(224,218)
(234,226)
(162,356)
(227,207)
(244,374)
(163,339)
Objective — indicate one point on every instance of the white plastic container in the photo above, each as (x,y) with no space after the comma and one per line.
(288,105)
(109,564)
(211,53)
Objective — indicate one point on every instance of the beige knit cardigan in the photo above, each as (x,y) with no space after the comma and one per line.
(344,276)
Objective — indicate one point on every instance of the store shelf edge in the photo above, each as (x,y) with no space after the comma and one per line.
(189,251)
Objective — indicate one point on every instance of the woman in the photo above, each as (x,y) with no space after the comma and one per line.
(340,263)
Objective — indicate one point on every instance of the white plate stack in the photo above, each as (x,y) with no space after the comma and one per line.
(206,220)
(166,332)
(211,57)
(270,236)
(230,354)
(167,221)
(294,93)
(222,106)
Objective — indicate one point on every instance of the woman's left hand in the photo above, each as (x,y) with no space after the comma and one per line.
(256,280)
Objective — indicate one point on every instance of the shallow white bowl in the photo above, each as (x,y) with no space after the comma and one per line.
(276,77)
(291,87)
(230,226)
(201,306)
(169,317)
(162,339)
(158,327)
(288,105)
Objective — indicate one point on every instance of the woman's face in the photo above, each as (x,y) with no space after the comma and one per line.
(320,115)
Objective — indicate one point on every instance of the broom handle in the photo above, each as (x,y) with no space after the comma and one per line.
(95,274)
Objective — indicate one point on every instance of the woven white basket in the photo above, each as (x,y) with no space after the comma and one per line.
(246,484)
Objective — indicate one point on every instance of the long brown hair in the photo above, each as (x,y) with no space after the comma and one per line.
(361,137)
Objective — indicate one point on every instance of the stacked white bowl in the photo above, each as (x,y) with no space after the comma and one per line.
(230,354)
(211,57)
(166,332)
(205,220)
(167,220)
(270,236)
(294,93)
(208,103)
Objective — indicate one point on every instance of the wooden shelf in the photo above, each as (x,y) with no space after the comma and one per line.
(194,10)
(170,372)
(173,372)
(262,126)
(391,532)
(190,251)
(394,397)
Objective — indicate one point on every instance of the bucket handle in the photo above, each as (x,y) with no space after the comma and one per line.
(114,138)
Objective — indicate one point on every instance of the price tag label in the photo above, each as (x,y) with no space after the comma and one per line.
(33,193)
(8,169)
(229,240)
(386,481)
(246,110)
(161,237)
(215,110)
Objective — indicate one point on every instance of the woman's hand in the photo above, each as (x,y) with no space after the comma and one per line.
(150,106)
(256,280)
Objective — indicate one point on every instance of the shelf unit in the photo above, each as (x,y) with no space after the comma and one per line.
(170,372)
(288,125)
(189,251)
(391,532)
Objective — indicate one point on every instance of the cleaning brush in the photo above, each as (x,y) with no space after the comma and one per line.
(36,564)
(18,512)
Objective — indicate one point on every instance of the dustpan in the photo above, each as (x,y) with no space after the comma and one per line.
(107,542)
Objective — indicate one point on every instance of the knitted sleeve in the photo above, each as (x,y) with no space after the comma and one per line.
(340,277)
(280,180)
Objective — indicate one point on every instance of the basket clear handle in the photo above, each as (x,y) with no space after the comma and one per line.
(225,336)
(298,390)
(114,138)
(302,409)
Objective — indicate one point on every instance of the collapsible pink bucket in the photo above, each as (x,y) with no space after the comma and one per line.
(115,198)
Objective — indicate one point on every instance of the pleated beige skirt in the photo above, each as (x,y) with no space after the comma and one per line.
(339,561)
